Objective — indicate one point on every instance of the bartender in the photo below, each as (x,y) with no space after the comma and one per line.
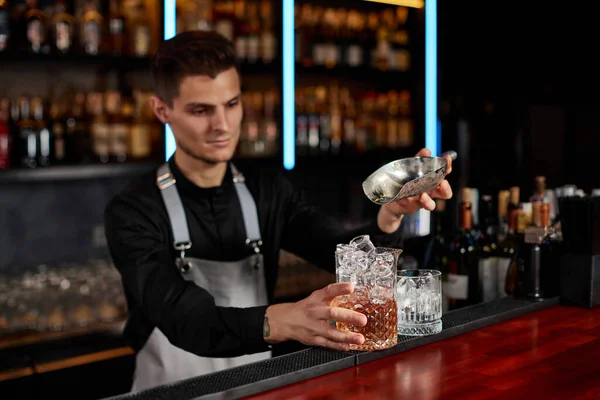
(197,241)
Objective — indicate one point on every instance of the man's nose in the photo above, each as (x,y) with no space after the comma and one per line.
(219,121)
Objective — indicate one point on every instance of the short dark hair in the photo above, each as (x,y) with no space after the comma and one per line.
(190,53)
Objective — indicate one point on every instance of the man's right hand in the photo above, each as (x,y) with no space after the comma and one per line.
(306,320)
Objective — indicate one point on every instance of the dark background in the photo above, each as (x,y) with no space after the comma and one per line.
(535,63)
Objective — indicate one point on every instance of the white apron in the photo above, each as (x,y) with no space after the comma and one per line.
(232,284)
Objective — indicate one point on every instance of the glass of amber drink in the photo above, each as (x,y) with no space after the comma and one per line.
(373,271)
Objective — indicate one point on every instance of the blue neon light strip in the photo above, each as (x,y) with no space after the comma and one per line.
(289,90)
(432,141)
(170,22)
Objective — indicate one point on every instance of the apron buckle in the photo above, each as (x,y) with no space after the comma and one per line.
(182,247)
(238,177)
(255,244)
(165,180)
(185,266)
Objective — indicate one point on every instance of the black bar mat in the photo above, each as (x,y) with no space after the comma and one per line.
(252,378)
(292,368)
(461,321)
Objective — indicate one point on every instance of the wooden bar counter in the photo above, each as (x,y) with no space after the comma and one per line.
(549,354)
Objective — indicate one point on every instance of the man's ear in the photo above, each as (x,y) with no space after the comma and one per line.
(160,109)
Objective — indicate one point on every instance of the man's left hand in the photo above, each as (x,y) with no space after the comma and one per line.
(390,215)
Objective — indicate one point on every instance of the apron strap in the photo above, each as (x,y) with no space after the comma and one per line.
(248,210)
(168,190)
(166,183)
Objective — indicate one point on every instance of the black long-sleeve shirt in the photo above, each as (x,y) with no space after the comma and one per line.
(140,241)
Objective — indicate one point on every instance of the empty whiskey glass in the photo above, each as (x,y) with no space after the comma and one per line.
(373,271)
(419,302)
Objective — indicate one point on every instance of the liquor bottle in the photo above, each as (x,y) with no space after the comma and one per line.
(551,253)
(406,129)
(505,248)
(139,32)
(43,133)
(224,18)
(258,104)
(5,30)
(487,251)
(141,135)
(5,136)
(242,30)
(57,133)
(269,124)
(27,134)
(514,239)
(539,193)
(36,30)
(116,29)
(91,28)
(335,113)
(78,147)
(461,285)
(204,15)
(544,195)
(250,126)
(254,34)
(301,123)
(99,129)
(539,261)
(63,29)
(268,40)
(513,206)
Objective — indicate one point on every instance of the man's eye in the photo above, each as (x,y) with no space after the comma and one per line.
(233,104)
(200,111)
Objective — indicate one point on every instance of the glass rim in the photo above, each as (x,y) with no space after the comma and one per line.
(402,273)
(386,249)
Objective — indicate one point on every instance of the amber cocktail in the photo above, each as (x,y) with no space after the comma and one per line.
(372,270)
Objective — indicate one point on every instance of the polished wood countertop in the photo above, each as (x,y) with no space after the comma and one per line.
(548,354)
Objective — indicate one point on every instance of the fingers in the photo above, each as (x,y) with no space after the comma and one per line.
(321,341)
(427,202)
(444,191)
(336,339)
(333,290)
(449,169)
(408,205)
(339,314)
(339,336)
(424,152)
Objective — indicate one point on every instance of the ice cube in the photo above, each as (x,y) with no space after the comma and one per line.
(383,259)
(379,294)
(383,275)
(363,243)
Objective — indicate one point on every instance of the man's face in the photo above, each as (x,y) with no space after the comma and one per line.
(206,116)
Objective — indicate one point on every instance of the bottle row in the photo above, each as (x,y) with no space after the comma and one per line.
(79,128)
(106,127)
(77,26)
(490,255)
(249,24)
(332,119)
(350,37)
(324,35)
